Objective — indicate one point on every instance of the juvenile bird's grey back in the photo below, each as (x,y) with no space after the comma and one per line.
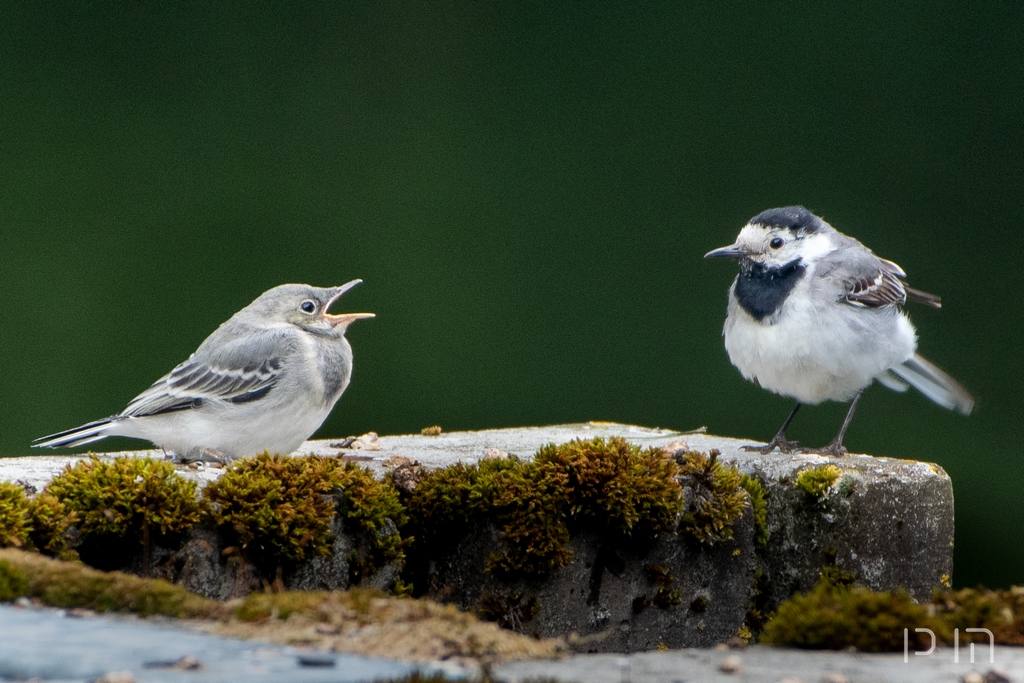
(265,379)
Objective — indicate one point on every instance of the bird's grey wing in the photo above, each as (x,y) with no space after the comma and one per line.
(243,369)
(864,279)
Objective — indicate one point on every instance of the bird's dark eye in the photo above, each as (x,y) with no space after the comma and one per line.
(308,306)
(776,243)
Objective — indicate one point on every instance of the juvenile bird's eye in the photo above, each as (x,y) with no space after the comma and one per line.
(308,306)
(776,243)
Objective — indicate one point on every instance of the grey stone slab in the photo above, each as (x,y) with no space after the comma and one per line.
(888,522)
(47,644)
(767,665)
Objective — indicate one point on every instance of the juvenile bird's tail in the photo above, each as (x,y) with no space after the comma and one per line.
(79,436)
(934,383)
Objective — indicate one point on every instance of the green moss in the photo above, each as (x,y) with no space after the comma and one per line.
(14,522)
(1000,611)
(834,617)
(124,497)
(277,511)
(758,611)
(608,486)
(263,606)
(373,513)
(68,584)
(53,529)
(615,484)
(752,485)
(714,499)
(13,582)
(816,481)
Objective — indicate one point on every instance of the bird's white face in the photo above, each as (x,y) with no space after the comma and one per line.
(773,247)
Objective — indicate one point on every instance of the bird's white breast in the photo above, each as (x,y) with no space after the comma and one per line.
(817,349)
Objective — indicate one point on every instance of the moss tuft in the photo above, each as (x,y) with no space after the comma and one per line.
(131,497)
(264,606)
(14,522)
(373,508)
(278,511)
(615,484)
(1000,611)
(816,481)
(53,526)
(606,486)
(837,614)
(831,617)
(714,499)
(13,582)
(752,485)
(68,584)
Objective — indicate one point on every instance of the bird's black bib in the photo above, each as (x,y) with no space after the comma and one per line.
(761,291)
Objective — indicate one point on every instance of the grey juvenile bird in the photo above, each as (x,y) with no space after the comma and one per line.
(264,380)
(816,316)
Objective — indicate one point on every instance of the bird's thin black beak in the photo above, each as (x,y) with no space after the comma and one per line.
(731,251)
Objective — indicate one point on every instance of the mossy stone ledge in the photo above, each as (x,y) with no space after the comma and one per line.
(622,538)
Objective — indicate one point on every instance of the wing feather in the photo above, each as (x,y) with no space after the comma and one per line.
(868,281)
(238,371)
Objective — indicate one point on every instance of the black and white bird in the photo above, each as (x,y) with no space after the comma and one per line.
(816,316)
(265,380)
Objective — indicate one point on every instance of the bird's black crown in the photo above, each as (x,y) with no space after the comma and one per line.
(794,218)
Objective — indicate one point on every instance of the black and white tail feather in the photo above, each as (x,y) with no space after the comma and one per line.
(79,436)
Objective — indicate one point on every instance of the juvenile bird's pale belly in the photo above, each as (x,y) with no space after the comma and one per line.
(802,357)
(230,432)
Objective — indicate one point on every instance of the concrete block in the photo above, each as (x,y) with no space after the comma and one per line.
(888,523)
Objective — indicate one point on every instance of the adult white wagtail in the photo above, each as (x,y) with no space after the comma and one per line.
(264,380)
(815,315)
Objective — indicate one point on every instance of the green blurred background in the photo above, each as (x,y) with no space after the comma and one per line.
(527,190)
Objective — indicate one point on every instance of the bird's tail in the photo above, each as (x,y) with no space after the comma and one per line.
(79,436)
(934,383)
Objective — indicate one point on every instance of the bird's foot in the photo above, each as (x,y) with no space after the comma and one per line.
(779,441)
(206,456)
(834,448)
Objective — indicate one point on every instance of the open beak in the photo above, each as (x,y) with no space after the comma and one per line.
(344,319)
(731,251)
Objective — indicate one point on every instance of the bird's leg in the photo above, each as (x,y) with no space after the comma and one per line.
(779,440)
(835,447)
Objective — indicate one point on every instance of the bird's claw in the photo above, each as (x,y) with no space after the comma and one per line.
(836,450)
(779,442)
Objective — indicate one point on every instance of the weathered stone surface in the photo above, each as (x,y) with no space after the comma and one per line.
(887,522)
(672,593)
